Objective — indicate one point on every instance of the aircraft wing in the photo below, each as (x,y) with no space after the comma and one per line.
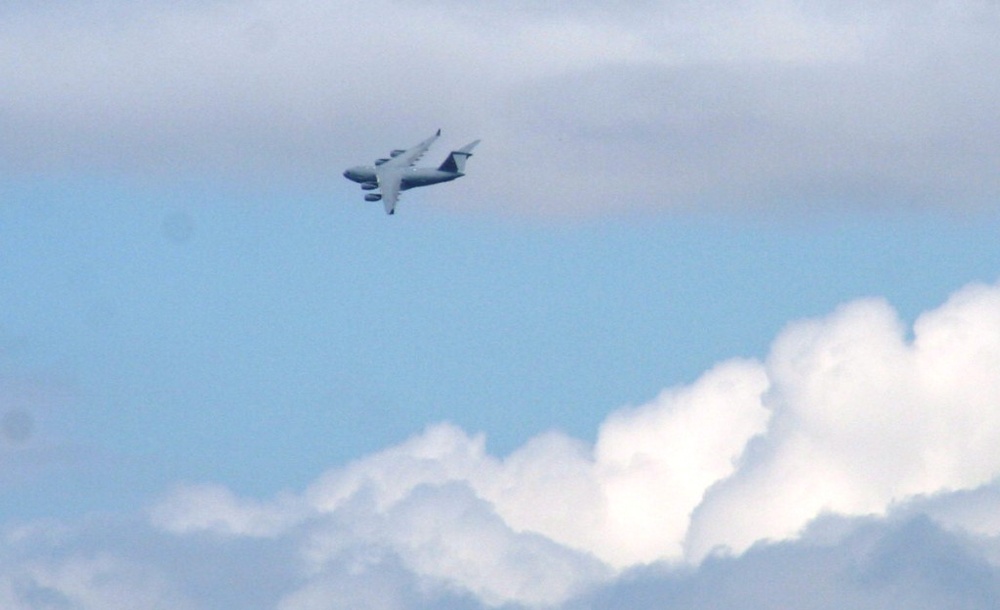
(389,181)
(390,173)
(411,155)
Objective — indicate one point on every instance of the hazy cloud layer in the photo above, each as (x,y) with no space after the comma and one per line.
(856,466)
(593,108)
(865,564)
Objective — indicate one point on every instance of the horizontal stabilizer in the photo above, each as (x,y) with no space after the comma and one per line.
(455,163)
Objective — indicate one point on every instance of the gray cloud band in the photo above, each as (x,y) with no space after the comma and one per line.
(765,105)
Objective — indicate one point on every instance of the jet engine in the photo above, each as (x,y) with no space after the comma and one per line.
(373,197)
(369,186)
(397,152)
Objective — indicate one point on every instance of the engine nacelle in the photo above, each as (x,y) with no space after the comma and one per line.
(381,161)
(369,186)
(397,152)
(373,197)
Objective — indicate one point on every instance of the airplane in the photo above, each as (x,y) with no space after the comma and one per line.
(396,173)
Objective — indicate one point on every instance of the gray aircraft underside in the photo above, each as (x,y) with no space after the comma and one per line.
(395,174)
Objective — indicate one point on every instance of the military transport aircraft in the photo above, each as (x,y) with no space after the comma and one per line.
(396,173)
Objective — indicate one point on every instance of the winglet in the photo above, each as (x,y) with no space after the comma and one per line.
(439,132)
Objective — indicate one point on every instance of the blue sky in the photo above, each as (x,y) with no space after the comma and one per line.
(209,342)
(271,339)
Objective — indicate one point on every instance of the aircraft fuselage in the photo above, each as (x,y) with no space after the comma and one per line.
(412,177)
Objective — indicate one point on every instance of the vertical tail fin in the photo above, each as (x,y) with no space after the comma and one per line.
(455,163)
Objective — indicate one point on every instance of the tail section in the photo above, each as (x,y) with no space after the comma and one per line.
(455,163)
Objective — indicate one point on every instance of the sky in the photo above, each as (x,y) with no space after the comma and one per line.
(712,321)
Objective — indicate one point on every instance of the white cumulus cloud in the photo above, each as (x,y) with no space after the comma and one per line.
(865,416)
(857,434)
